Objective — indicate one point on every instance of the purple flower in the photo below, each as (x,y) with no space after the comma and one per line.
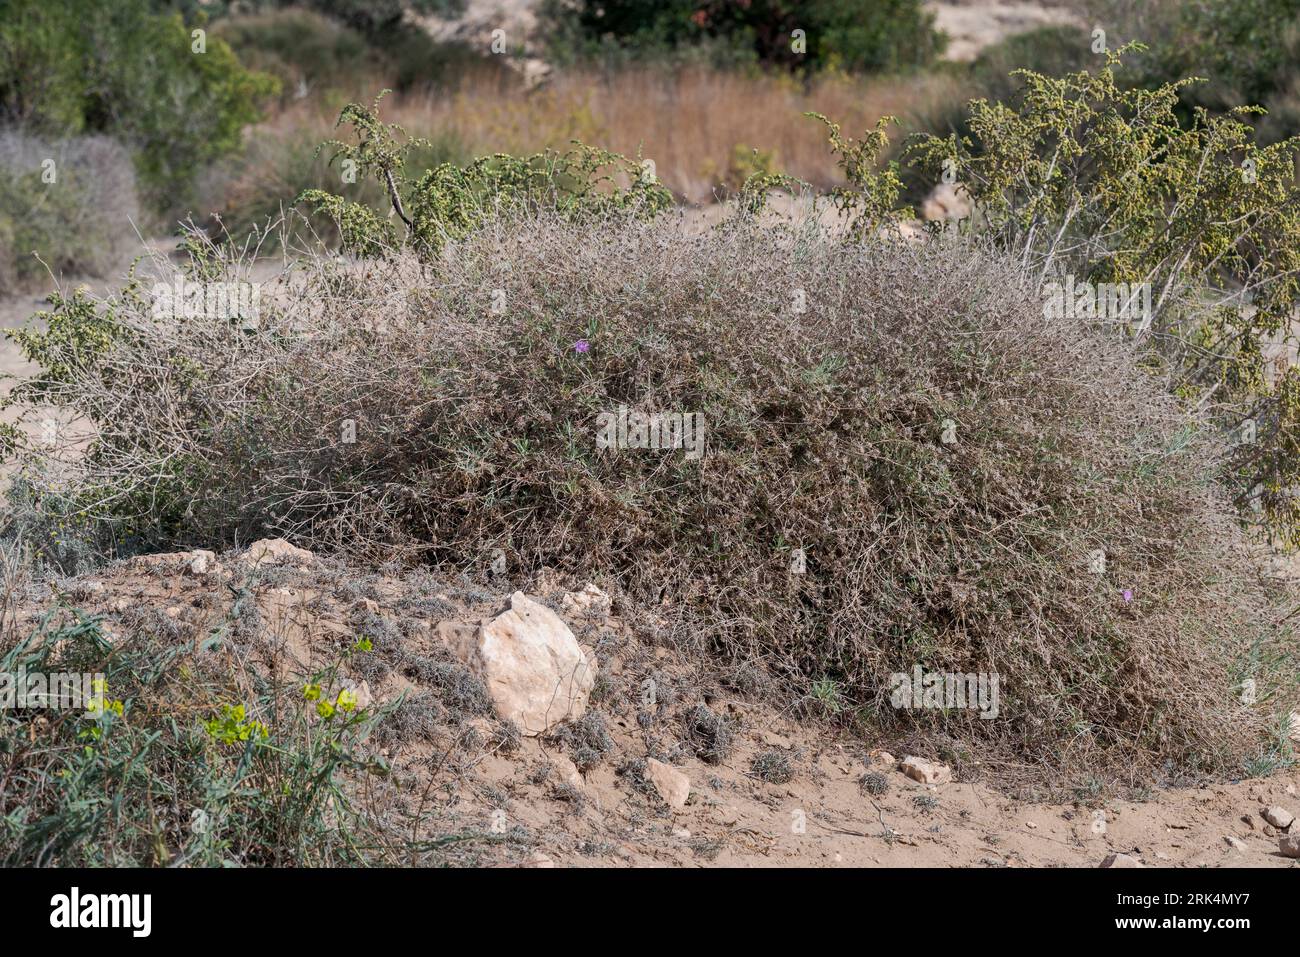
(582,345)
(1128,594)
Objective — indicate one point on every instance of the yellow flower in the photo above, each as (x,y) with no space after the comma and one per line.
(347,700)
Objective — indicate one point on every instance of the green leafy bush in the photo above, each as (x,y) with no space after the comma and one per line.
(301,49)
(450,201)
(1247,51)
(311,52)
(1080,177)
(1245,47)
(122,69)
(248,194)
(857,35)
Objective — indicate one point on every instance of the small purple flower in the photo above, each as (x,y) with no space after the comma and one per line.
(582,345)
(1128,594)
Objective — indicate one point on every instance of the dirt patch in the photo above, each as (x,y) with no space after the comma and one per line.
(972,26)
(766,788)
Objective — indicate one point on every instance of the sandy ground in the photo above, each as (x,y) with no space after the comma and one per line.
(973,25)
(608,816)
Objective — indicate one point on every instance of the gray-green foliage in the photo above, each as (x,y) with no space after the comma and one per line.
(66,206)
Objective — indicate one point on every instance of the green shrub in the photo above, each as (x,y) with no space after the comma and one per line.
(245,195)
(1080,177)
(450,201)
(858,35)
(77,225)
(1245,47)
(1053,50)
(301,49)
(1247,51)
(312,51)
(122,69)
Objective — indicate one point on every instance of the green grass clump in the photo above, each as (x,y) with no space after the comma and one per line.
(236,770)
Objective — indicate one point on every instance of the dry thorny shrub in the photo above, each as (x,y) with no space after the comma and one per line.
(475,431)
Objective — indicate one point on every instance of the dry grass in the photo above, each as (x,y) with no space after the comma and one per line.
(690,123)
(698,125)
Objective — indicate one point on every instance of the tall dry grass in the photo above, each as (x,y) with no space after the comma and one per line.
(690,123)
(697,125)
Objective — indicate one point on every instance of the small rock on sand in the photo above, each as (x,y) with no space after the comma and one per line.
(1279,816)
(673,786)
(927,772)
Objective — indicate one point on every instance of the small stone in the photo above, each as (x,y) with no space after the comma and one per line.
(203,562)
(673,786)
(880,758)
(276,551)
(927,772)
(726,814)
(1279,817)
(89,589)
(1235,844)
(591,602)
(568,772)
(1121,860)
(539,860)
(1289,845)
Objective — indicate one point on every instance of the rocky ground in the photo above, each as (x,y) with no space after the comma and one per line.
(576,731)
(972,25)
